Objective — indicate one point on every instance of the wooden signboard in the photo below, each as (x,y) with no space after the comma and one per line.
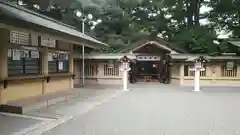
(21,38)
(148,58)
(34,40)
(48,42)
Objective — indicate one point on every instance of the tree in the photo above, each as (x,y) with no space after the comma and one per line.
(131,20)
(126,21)
(225,15)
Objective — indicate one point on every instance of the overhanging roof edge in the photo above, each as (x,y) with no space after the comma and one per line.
(44,21)
(144,42)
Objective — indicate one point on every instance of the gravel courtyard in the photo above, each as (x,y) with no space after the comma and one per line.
(157,109)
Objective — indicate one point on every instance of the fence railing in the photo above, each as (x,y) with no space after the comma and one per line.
(229,73)
(111,71)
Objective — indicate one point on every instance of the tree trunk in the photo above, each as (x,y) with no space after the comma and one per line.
(193,9)
(196,7)
(189,5)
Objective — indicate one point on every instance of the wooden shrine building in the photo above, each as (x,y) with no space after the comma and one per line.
(163,62)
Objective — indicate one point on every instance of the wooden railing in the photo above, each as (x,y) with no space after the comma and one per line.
(229,73)
(111,71)
(91,69)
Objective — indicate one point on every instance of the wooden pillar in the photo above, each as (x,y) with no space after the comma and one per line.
(159,71)
(4,37)
(238,71)
(44,68)
(3,61)
(44,61)
(71,65)
(181,74)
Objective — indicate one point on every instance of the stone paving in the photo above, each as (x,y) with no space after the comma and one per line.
(66,111)
(73,106)
(158,109)
(12,124)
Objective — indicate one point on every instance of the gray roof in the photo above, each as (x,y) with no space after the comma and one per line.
(169,45)
(190,57)
(32,17)
(105,56)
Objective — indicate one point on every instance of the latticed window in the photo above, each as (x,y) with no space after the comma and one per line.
(187,72)
(111,71)
(90,69)
(226,72)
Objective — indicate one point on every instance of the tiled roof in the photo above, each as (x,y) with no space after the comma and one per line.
(32,17)
(172,46)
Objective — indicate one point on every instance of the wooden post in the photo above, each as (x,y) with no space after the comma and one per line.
(71,65)
(181,74)
(4,40)
(44,67)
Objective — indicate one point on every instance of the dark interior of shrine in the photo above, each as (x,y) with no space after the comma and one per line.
(148,71)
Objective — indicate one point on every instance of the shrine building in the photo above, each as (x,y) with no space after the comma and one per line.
(160,61)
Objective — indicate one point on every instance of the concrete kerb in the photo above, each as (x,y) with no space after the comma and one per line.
(26,116)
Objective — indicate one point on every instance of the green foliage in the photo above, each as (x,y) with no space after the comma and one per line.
(198,40)
(225,15)
(130,21)
(126,21)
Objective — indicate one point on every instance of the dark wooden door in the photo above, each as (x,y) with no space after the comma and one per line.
(165,69)
(132,73)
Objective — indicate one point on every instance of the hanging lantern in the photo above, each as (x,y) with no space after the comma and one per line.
(198,65)
(125,61)
(199,62)
(125,65)
(201,59)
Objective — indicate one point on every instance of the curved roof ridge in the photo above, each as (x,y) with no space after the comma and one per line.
(165,43)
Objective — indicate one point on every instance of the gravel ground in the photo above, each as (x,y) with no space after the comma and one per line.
(157,109)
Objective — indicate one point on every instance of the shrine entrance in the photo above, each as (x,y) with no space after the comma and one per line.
(154,70)
(148,69)
(152,64)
